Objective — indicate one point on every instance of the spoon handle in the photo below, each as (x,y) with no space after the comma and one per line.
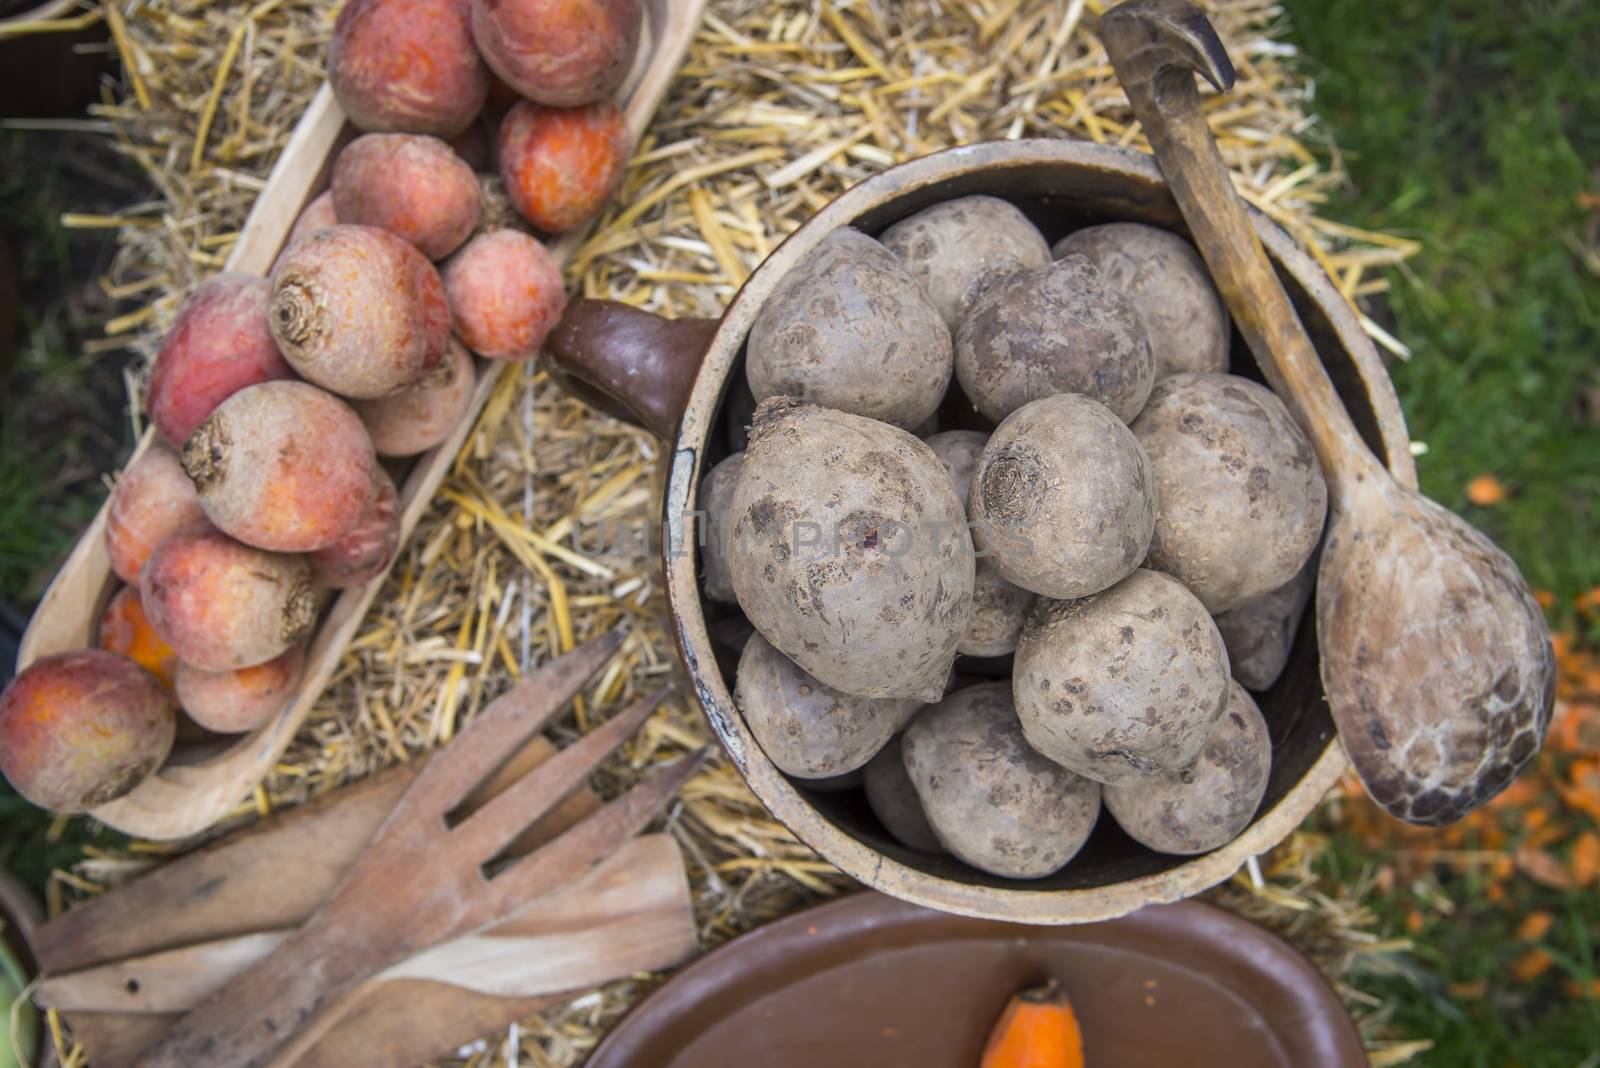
(1156,48)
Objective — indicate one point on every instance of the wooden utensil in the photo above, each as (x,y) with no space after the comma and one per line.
(423,881)
(1436,660)
(197,789)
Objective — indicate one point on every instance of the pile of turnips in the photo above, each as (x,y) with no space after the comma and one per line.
(277,400)
(1135,530)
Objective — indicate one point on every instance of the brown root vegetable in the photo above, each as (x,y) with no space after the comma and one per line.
(219,344)
(316,215)
(991,799)
(848,328)
(506,293)
(1260,632)
(153,498)
(221,604)
(231,702)
(561,165)
(1167,281)
(999,609)
(894,800)
(716,501)
(807,728)
(282,466)
(407,66)
(849,551)
(81,729)
(126,631)
(1123,685)
(1242,496)
(1063,498)
(961,247)
(358,311)
(559,52)
(1053,329)
(999,606)
(1207,803)
(958,450)
(411,185)
(363,552)
(416,419)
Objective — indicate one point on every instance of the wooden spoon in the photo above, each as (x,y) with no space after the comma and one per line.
(1436,660)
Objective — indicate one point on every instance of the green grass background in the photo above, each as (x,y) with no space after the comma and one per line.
(1470,125)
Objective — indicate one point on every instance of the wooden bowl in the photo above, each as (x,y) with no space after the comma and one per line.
(641,366)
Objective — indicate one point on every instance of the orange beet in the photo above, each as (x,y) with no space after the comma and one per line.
(505,294)
(410,185)
(559,52)
(407,66)
(80,729)
(358,311)
(404,424)
(243,699)
(153,498)
(221,604)
(366,548)
(316,215)
(125,629)
(218,345)
(561,165)
(282,466)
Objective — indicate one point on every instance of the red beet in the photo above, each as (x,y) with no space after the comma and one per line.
(407,65)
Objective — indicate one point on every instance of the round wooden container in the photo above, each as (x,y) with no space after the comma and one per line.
(644,368)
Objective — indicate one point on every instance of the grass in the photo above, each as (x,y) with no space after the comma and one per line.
(1475,128)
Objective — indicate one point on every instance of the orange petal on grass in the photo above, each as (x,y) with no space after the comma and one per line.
(1516,795)
(1475,989)
(1591,989)
(1585,859)
(1531,965)
(1545,598)
(1543,868)
(1534,926)
(1414,921)
(1589,600)
(1485,490)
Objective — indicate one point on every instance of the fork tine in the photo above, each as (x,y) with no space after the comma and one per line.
(484,833)
(586,844)
(501,728)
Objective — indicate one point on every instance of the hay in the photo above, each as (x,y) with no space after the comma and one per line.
(538,537)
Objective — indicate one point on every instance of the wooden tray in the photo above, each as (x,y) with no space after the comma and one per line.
(199,786)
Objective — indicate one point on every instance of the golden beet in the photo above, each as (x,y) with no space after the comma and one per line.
(153,498)
(221,604)
(561,165)
(560,52)
(126,630)
(407,66)
(363,551)
(506,294)
(242,699)
(81,729)
(416,419)
(411,185)
(282,466)
(358,311)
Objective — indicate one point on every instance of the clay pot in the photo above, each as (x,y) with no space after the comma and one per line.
(674,377)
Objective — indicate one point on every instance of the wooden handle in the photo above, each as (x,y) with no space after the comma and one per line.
(1156,48)
(629,363)
(244,1023)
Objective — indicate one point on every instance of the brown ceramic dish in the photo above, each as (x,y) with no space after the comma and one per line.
(644,368)
(870,982)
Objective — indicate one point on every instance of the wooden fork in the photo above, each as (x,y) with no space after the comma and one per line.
(423,881)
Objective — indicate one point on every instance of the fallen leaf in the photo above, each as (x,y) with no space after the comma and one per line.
(1585,859)
(1531,965)
(1534,926)
(1485,490)
(1414,921)
(1475,989)
(1543,868)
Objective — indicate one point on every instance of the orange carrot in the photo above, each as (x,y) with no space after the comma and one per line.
(1038,1029)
